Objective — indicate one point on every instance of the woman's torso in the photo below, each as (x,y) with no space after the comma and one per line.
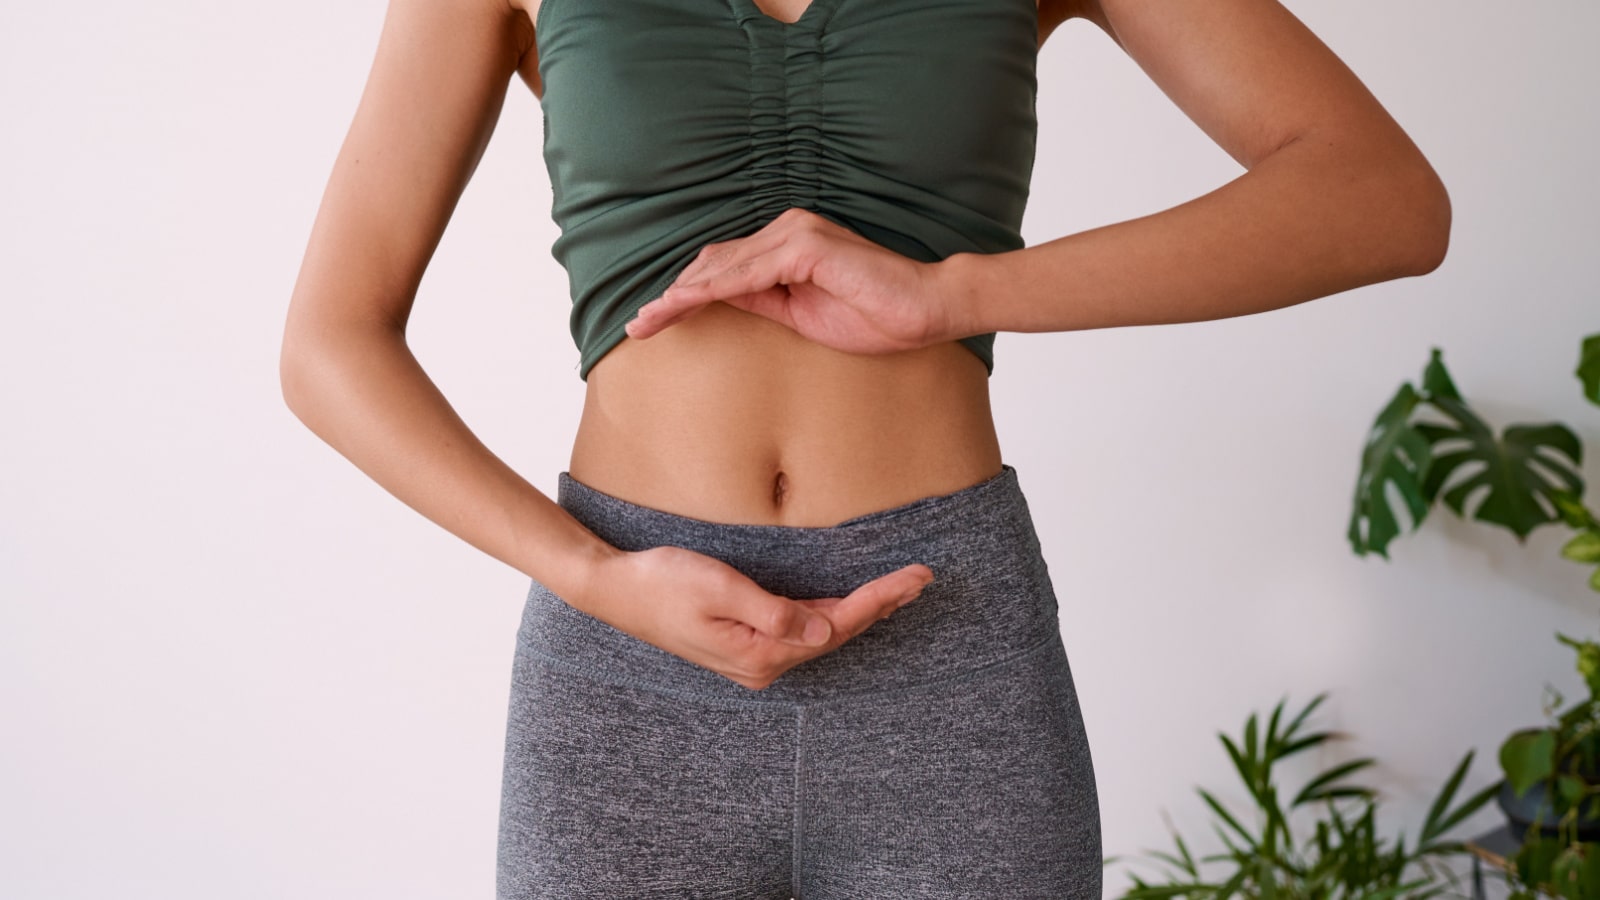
(729,417)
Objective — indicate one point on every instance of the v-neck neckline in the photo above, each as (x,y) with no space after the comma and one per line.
(806,15)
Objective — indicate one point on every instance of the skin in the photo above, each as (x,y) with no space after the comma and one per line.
(802,375)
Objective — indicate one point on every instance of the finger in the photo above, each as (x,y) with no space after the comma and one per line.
(660,313)
(716,256)
(772,303)
(776,617)
(775,303)
(710,254)
(748,275)
(878,599)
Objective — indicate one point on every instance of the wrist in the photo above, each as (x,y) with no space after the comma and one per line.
(588,571)
(959,286)
(568,560)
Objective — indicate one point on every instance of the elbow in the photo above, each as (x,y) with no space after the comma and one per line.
(319,357)
(302,369)
(291,374)
(1422,239)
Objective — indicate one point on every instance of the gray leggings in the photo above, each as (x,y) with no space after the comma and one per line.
(940,754)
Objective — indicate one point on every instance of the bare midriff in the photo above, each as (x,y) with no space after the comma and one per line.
(730,417)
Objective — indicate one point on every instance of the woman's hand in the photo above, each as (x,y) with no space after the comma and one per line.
(826,282)
(703,610)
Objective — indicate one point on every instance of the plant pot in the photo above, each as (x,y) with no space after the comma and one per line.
(1532,809)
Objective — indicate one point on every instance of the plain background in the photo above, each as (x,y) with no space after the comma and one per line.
(231,665)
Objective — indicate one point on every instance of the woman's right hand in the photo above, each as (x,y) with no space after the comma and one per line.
(703,610)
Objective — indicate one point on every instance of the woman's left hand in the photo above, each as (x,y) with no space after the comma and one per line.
(826,282)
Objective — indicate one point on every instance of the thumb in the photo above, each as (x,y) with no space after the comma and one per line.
(780,618)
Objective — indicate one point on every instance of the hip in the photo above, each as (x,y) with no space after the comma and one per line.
(990,607)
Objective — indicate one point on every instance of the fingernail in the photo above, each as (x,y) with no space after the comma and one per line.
(817,631)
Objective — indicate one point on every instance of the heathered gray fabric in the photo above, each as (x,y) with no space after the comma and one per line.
(940,754)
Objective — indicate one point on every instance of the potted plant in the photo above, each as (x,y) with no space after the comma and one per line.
(1342,856)
(1551,790)
(1553,773)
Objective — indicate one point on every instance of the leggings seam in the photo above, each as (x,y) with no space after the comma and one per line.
(711,699)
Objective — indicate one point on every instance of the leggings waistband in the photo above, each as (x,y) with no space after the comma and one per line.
(991,599)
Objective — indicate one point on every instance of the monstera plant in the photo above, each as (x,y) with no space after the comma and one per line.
(1528,475)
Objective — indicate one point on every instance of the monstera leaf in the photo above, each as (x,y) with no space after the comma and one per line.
(1589,367)
(1514,470)
(1419,458)
(1396,453)
(1511,467)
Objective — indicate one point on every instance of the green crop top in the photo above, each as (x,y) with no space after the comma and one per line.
(671,124)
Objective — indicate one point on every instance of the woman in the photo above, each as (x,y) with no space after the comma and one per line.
(789,632)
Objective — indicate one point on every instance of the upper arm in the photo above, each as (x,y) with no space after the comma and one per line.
(1250,75)
(432,99)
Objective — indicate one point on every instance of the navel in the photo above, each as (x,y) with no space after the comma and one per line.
(780,487)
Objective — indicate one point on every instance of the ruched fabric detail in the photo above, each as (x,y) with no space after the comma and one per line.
(672,124)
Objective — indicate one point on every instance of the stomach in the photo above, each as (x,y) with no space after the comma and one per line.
(730,417)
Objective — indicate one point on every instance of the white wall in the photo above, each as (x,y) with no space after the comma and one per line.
(232,666)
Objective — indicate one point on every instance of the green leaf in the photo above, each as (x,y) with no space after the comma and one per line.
(1467,808)
(1571,788)
(1274,740)
(1310,740)
(1534,857)
(1234,851)
(1588,664)
(1589,875)
(1513,468)
(1337,792)
(1301,717)
(1246,770)
(1588,370)
(1167,858)
(1389,893)
(1231,886)
(1528,757)
(1566,870)
(1395,452)
(1313,788)
(1163,891)
(1442,802)
(1268,801)
(1573,512)
(1188,860)
(1436,381)
(1227,817)
(1584,547)
(1252,750)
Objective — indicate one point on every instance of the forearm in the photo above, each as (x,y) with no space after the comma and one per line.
(361,390)
(1309,220)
